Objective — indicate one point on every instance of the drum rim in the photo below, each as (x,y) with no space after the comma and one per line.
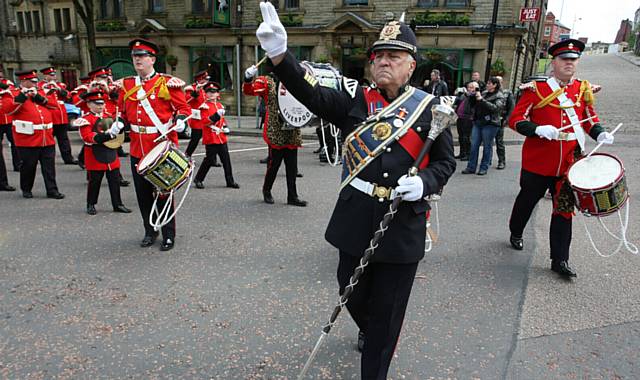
(155,161)
(602,188)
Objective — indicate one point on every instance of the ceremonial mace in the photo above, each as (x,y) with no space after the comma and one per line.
(443,116)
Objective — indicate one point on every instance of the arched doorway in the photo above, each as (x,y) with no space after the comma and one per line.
(452,63)
(121,68)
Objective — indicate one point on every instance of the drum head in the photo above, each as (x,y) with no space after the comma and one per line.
(151,158)
(595,172)
(292,111)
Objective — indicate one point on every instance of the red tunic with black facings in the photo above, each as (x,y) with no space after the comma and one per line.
(86,125)
(194,102)
(210,135)
(133,112)
(31,112)
(549,157)
(4,117)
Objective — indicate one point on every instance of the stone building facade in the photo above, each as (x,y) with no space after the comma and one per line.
(217,34)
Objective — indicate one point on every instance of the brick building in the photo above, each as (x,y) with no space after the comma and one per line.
(625,30)
(553,31)
(217,34)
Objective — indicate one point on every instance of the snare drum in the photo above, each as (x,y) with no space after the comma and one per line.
(598,183)
(295,113)
(166,167)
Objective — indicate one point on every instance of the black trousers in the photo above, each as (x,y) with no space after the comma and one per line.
(81,155)
(276,156)
(532,189)
(464,127)
(145,194)
(95,180)
(377,305)
(500,145)
(60,133)
(30,157)
(196,135)
(221,150)
(5,130)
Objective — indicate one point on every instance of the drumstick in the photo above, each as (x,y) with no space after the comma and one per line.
(574,124)
(163,135)
(600,144)
(260,62)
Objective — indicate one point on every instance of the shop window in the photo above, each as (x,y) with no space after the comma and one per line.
(217,60)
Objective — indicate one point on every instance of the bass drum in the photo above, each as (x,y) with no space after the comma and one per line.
(295,113)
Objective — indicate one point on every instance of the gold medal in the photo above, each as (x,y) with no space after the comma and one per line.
(381,131)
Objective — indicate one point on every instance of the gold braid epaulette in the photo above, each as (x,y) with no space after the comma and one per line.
(585,93)
(163,91)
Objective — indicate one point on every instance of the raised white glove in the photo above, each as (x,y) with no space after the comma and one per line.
(271,33)
(251,72)
(116,127)
(410,188)
(605,138)
(221,112)
(180,126)
(225,130)
(549,132)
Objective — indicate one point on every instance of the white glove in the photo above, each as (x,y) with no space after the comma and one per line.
(605,138)
(221,112)
(180,126)
(549,132)
(251,72)
(116,127)
(271,33)
(410,188)
(225,130)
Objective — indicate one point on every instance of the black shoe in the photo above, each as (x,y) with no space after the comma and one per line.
(216,165)
(91,209)
(198,184)
(124,182)
(317,150)
(56,195)
(7,188)
(299,175)
(233,185)
(501,165)
(167,244)
(482,172)
(516,242)
(81,165)
(122,209)
(467,171)
(148,240)
(268,198)
(264,160)
(72,161)
(563,269)
(297,202)
(360,340)
(27,194)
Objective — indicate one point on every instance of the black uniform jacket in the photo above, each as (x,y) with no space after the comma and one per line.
(356,215)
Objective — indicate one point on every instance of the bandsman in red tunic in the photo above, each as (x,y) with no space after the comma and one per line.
(546,106)
(57,94)
(33,133)
(195,97)
(213,137)
(6,86)
(151,103)
(99,159)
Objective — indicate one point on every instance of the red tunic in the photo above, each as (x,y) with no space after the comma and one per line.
(210,135)
(133,112)
(86,125)
(4,117)
(194,103)
(29,111)
(539,155)
(55,101)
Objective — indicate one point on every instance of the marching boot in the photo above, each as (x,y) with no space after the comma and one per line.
(199,184)
(516,242)
(268,198)
(55,195)
(563,269)
(91,209)
(148,240)
(264,160)
(297,202)
(167,244)
(122,209)
(7,187)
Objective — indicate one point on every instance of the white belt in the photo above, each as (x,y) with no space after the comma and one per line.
(373,190)
(563,136)
(42,126)
(143,130)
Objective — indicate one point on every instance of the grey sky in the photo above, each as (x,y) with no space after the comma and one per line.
(599,21)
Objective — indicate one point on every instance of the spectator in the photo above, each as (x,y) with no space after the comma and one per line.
(437,87)
(464,108)
(510,102)
(475,76)
(488,110)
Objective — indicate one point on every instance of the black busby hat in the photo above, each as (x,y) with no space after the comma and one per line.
(396,35)
(569,48)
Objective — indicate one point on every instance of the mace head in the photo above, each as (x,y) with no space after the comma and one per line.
(443,117)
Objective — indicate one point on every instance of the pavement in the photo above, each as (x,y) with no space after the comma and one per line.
(629,56)
(248,287)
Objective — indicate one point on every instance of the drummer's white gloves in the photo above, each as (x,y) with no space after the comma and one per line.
(221,112)
(605,138)
(116,127)
(549,132)
(271,33)
(180,125)
(250,73)
(410,188)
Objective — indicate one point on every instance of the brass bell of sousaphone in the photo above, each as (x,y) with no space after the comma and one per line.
(104,125)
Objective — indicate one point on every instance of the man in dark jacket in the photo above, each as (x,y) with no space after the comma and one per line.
(437,87)
(510,102)
(380,298)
